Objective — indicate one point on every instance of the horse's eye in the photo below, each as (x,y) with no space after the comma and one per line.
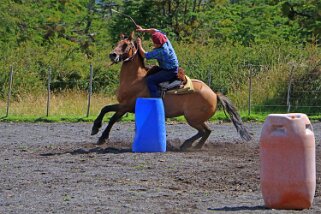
(124,47)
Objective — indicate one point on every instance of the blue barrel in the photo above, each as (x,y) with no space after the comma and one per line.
(150,135)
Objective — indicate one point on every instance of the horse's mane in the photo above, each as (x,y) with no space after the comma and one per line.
(140,56)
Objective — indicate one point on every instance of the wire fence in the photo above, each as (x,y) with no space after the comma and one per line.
(298,92)
(50,85)
(295,97)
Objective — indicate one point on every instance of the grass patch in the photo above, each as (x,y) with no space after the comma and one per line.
(59,119)
(219,116)
(71,106)
(66,106)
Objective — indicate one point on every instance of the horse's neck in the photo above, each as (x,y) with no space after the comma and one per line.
(132,70)
(132,84)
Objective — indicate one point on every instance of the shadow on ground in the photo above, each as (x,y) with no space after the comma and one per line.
(97,150)
(239,208)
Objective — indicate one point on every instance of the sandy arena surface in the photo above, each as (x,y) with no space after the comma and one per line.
(57,168)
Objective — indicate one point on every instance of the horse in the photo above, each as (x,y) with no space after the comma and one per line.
(197,107)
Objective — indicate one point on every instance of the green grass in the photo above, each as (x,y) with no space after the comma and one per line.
(219,116)
(50,119)
(71,107)
(59,119)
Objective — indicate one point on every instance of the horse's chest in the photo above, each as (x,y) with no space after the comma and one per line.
(127,92)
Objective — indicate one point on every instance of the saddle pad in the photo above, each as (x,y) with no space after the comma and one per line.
(188,88)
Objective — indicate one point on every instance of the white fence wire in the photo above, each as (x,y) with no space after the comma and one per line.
(292,101)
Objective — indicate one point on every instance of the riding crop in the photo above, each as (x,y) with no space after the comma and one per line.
(126,16)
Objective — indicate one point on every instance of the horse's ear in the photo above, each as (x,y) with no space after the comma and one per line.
(131,37)
(122,36)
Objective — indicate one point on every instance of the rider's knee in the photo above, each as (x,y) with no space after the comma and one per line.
(151,80)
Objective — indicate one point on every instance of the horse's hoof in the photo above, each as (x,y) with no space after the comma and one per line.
(94,130)
(170,147)
(101,141)
(175,149)
(197,147)
(184,148)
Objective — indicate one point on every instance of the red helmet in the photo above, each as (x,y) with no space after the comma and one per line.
(159,38)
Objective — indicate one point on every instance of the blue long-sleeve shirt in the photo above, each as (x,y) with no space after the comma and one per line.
(165,55)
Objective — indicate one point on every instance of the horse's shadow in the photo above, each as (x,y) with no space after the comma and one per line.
(100,150)
(239,208)
(92,149)
(96,150)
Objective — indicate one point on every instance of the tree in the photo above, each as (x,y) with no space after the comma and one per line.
(307,13)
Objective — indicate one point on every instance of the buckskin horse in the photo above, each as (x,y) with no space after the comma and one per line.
(197,106)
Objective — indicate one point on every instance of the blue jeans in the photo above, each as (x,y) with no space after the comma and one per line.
(161,76)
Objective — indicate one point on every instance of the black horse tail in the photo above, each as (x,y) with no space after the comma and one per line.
(234,117)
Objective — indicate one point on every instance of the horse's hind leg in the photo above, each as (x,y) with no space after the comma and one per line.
(112,121)
(189,142)
(99,119)
(203,133)
(206,134)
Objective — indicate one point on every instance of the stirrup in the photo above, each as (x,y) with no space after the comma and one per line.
(168,85)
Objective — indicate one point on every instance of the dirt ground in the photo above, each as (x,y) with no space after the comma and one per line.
(57,168)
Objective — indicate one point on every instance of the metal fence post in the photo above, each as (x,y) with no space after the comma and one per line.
(209,79)
(9,92)
(48,90)
(90,88)
(250,89)
(288,103)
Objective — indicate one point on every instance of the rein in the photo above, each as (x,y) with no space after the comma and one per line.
(110,64)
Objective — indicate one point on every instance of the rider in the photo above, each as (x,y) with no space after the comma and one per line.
(164,53)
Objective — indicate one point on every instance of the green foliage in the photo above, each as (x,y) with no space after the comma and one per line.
(215,41)
(307,13)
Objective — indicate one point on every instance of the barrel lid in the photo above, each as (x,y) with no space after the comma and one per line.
(287,119)
(291,116)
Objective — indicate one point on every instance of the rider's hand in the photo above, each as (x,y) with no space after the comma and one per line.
(139,28)
(139,41)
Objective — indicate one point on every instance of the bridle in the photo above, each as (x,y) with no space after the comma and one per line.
(132,46)
(119,54)
(132,43)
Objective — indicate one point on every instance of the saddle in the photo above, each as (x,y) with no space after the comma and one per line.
(181,85)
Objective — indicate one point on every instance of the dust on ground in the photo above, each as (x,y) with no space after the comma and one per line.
(57,168)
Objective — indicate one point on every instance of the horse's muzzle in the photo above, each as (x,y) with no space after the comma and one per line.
(114,57)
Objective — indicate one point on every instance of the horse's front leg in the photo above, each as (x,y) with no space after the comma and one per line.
(112,121)
(99,119)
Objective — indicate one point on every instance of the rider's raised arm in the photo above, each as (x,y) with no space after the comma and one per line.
(148,30)
(140,47)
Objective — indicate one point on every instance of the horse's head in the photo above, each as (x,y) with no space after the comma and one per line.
(124,50)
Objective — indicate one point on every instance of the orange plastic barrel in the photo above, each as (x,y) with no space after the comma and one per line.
(287,156)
